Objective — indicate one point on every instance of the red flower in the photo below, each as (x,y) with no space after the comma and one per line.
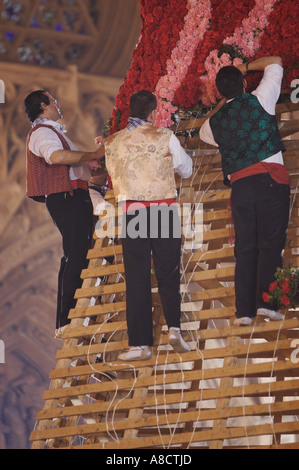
(272,286)
(266,297)
(285,289)
(285,300)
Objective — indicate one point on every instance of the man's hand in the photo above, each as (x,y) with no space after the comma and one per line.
(242,68)
(73,157)
(260,64)
(99,140)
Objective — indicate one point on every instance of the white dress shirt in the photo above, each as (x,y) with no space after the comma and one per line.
(43,142)
(182,163)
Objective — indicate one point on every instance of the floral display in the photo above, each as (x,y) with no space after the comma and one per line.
(284,291)
(184,42)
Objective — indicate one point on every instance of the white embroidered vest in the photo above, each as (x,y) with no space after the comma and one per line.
(140,164)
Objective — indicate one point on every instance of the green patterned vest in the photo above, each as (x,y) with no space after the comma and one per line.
(245,132)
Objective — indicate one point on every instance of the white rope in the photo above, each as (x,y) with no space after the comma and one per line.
(243,389)
(155,394)
(271,376)
(108,376)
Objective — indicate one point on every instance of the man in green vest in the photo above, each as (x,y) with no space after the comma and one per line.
(243,126)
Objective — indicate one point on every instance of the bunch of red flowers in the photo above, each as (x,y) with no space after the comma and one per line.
(284,291)
(162,21)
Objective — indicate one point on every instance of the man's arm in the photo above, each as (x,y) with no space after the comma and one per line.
(217,108)
(260,64)
(269,88)
(182,163)
(72,157)
(206,134)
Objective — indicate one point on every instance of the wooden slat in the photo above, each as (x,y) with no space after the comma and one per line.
(206,435)
(193,416)
(289,387)
(240,351)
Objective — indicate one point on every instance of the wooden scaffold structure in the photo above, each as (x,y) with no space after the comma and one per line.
(236,388)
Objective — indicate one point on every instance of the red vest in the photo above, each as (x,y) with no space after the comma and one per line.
(44,179)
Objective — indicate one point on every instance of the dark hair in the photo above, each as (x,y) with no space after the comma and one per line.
(229,82)
(33,102)
(142,103)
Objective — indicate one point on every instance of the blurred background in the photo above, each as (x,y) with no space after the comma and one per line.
(80,51)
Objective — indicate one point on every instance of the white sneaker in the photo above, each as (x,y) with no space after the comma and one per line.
(271,314)
(176,341)
(136,353)
(243,321)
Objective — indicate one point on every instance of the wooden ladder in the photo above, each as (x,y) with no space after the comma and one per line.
(237,387)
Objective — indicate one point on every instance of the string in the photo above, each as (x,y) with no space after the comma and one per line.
(271,376)
(186,282)
(103,373)
(194,424)
(243,389)
(155,394)
(181,401)
(108,376)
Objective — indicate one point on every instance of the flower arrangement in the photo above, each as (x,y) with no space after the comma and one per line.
(284,291)
(184,42)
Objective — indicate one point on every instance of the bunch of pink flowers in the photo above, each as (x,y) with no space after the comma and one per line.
(246,39)
(248,36)
(196,24)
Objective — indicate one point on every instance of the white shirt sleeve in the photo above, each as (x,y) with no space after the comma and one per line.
(206,134)
(182,163)
(269,88)
(43,142)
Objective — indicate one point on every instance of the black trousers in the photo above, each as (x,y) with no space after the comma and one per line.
(73,216)
(165,247)
(260,209)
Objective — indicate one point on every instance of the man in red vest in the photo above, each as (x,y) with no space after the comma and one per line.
(58,174)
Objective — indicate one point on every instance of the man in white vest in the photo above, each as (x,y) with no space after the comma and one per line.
(141,161)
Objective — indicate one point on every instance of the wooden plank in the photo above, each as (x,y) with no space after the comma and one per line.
(286,107)
(206,435)
(191,416)
(225,382)
(220,273)
(257,350)
(288,387)
(229,371)
(287,128)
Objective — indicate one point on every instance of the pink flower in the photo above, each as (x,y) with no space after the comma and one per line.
(237,61)
(246,38)
(196,24)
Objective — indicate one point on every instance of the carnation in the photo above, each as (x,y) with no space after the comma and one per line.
(284,291)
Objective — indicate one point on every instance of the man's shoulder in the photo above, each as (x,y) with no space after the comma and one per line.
(165,131)
(112,137)
(44,126)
